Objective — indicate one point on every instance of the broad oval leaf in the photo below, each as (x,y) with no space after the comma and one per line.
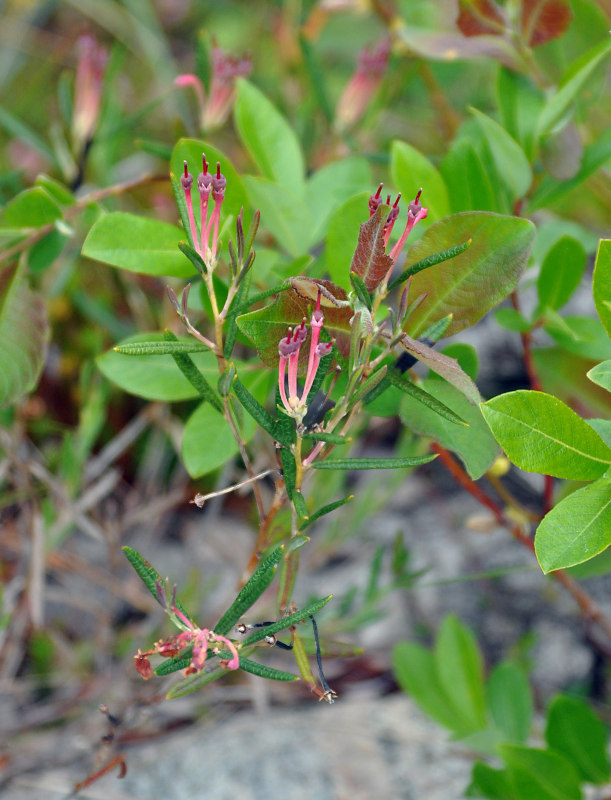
(330,186)
(539,433)
(269,138)
(207,441)
(24,334)
(476,280)
(154,377)
(370,261)
(509,159)
(544,20)
(342,237)
(479,18)
(561,272)
(540,774)
(412,171)
(574,730)
(601,375)
(576,529)
(510,702)
(284,214)
(138,244)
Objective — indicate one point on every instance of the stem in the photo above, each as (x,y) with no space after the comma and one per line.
(247,463)
(80,205)
(263,537)
(589,609)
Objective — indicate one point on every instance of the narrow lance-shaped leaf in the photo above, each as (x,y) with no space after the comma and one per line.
(415,391)
(373,463)
(250,592)
(289,470)
(325,510)
(165,348)
(327,436)
(263,671)
(259,414)
(361,290)
(172,665)
(370,261)
(429,261)
(286,622)
(193,375)
(574,730)
(232,327)
(194,682)
(147,574)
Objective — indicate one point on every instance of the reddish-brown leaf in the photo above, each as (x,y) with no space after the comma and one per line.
(480,18)
(268,325)
(370,261)
(543,20)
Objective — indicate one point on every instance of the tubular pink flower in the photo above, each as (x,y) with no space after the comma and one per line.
(219,182)
(393,215)
(415,213)
(234,662)
(200,649)
(204,187)
(189,79)
(299,336)
(186,181)
(375,200)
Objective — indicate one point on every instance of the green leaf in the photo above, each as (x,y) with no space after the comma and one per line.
(268,137)
(138,244)
(259,414)
(520,103)
(575,731)
(416,673)
(584,336)
(325,510)
(539,433)
(173,665)
(194,682)
(289,470)
(475,281)
(250,592)
(561,272)
(511,164)
(540,774)
(282,624)
(16,127)
(576,529)
(412,171)
(572,83)
(330,187)
(373,463)
(467,178)
(510,701)
(190,150)
(163,348)
(24,334)
(263,671)
(475,445)
(284,214)
(342,237)
(361,290)
(154,377)
(418,393)
(459,665)
(429,261)
(601,375)
(31,208)
(207,441)
(147,574)
(602,283)
(494,784)
(512,320)
(185,364)
(327,436)
(466,355)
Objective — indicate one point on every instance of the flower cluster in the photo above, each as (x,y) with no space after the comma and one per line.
(207,184)
(415,212)
(201,639)
(289,349)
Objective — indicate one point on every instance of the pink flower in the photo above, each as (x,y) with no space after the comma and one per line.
(225,69)
(92,59)
(371,66)
(288,349)
(208,183)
